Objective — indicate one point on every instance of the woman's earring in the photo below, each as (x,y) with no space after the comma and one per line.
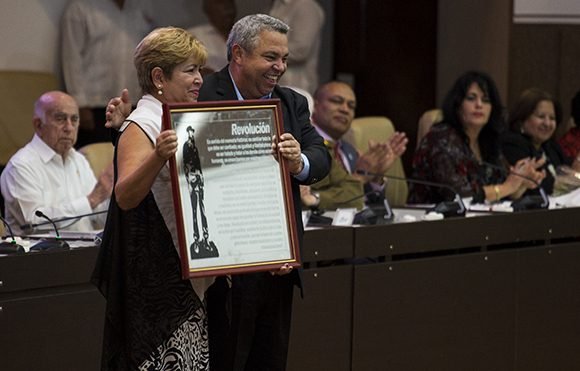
(159,92)
(522,130)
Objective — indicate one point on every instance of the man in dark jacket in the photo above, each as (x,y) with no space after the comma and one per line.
(261,303)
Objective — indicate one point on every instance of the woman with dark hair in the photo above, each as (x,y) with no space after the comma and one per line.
(463,151)
(533,121)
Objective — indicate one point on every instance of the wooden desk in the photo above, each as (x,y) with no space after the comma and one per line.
(51,317)
(488,293)
(497,292)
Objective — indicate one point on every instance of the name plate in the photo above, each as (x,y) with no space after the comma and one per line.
(344,217)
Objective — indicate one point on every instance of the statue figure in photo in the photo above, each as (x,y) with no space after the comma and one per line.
(201,246)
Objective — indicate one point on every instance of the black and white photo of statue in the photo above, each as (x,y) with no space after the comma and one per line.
(202,246)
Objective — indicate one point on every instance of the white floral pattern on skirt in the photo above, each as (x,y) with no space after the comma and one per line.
(187,349)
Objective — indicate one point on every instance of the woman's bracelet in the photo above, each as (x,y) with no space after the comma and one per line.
(497,194)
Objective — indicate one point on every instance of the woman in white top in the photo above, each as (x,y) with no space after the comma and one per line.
(154,319)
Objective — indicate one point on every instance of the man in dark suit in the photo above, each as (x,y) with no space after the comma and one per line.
(261,303)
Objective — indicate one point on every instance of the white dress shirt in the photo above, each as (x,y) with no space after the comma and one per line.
(37,178)
(97,44)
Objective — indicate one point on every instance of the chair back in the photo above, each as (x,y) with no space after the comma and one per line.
(379,128)
(18,92)
(428,119)
(99,155)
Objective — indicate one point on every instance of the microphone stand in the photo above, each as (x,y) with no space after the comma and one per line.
(31,226)
(448,209)
(50,243)
(10,247)
(378,213)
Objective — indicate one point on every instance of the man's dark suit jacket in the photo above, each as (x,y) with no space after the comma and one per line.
(218,87)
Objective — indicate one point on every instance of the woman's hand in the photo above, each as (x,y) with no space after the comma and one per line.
(529,170)
(166,144)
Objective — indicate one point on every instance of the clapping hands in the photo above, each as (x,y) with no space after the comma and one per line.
(528,171)
(380,156)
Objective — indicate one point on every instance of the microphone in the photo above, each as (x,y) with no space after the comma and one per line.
(10,247)
(449,209)
(365,195)
(528,202)
(374,213)
(50,243)
(31,226)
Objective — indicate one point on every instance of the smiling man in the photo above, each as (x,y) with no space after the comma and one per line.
(261,303)
(334,109)
(49,175)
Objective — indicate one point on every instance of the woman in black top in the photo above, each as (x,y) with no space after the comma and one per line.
(532,121)
(463,151)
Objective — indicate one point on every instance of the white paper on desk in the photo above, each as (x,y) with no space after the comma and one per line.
(305,217)
(344,217)
(504,207)
(570,199)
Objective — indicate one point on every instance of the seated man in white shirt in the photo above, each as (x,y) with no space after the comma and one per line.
(49,175)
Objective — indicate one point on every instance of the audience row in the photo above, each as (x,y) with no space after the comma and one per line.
(477,150)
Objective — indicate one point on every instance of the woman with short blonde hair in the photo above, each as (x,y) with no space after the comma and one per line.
(154,319)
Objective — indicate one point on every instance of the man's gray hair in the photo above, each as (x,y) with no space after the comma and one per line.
(246,31)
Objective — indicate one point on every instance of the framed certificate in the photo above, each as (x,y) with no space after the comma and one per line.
(233,199)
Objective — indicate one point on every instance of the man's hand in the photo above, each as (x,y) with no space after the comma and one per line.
(307,197)
(284,270)
(398,143)
(103,188)
(380,156)
(289,148)
(117,110)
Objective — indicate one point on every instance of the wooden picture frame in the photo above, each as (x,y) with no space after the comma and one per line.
(233,199)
